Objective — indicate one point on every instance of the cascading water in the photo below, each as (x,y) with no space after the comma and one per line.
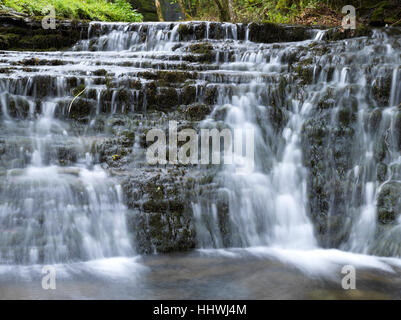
(267,205)
(56,206)
(325,117)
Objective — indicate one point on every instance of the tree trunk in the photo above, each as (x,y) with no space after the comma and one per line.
(222,5)
(159,10)
(231,10)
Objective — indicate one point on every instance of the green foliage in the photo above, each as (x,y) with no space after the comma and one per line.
(276,11)
(103,10)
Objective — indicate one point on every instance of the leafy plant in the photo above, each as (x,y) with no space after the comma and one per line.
(103,10)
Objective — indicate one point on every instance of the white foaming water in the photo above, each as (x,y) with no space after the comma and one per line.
(317,262)
(320,35)
(364,229)
(269,209)
(395,97)
(268,205)
(79,212)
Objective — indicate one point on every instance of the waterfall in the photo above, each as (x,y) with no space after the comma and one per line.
(56,204)
(326,129)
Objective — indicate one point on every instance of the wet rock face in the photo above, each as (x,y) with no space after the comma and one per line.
(162,219)
(23,33)
(257,32)
(339,34)
(326,138)
(269,33)
(389,203)
(382,89)
(197,112)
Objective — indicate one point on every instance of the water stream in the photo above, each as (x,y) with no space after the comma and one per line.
(327,132)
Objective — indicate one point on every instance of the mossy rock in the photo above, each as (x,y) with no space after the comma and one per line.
(381,171)
(167,99)
(270,33)
(100,72)
(346,116)
(25,33)
(77,90)
(210,95)
(8,40)
(169,77)
(336,34)
(381,90)
(201,48)
(204,50)
(66,155)
(163,232)
(184,30)
(44,85)
(81,109)
(389,203)
(188,95)
(197,112)
(18,108)
(304,74)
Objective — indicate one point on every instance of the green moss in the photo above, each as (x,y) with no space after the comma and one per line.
(169,77)
(305,74)
(8,40)
(210,95)
(184,30)
(204,50)
(197,112)
(123,96)
(130,135)
(135,84)
(78,89)
(80,110)
(339,34)
(31,36)
(100,72)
